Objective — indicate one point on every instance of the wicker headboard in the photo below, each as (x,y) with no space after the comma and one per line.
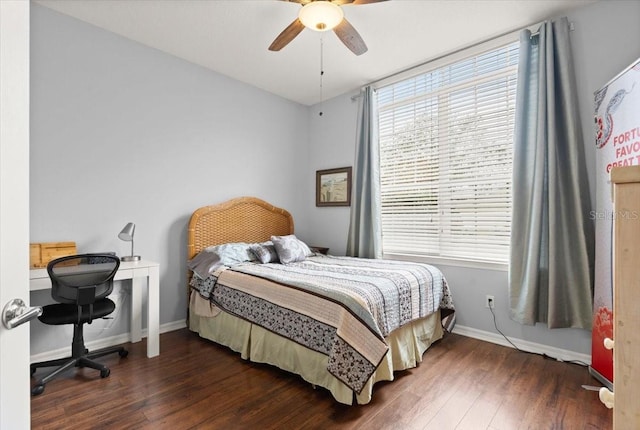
(243,219)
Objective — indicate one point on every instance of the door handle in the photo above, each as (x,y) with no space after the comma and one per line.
(16,312)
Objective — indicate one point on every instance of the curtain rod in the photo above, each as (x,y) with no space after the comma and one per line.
(571,28)
(357,96)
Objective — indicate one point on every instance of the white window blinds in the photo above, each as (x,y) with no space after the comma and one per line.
(446,141)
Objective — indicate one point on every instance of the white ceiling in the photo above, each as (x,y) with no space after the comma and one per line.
(231,36)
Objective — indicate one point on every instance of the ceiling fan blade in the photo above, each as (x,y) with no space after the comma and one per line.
(287,35)
(350,37)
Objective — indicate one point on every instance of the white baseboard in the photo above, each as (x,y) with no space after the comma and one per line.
(538,348)
(172,326)
(103,343)
(557,353)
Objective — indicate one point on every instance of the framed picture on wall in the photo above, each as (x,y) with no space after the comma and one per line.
(333,187)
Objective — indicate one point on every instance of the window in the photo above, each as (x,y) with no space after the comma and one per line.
(446,145)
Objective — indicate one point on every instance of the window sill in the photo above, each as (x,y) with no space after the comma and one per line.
(436,261)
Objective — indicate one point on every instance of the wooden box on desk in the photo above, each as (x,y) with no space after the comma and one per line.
(43,253)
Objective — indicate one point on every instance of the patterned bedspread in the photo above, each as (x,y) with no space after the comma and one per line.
(339,306)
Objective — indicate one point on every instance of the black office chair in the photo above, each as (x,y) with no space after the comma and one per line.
(80,284)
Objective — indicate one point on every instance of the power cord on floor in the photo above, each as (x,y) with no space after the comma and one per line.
(495,323)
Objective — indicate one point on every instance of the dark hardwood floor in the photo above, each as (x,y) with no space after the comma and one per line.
(462,383)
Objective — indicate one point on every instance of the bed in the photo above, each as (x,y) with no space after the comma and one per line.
(302,316)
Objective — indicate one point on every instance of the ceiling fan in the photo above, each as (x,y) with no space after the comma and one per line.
(324,15)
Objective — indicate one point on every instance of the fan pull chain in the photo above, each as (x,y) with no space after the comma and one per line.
(321,72)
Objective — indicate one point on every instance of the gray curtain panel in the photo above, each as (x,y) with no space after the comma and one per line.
(365,237)
(552,237)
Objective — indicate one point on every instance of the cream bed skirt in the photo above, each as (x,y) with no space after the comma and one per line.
(407,345)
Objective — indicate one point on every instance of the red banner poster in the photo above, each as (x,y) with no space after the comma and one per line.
(617,129)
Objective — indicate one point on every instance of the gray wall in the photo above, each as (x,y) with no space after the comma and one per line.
(606,40)
(332,144)
(121,132)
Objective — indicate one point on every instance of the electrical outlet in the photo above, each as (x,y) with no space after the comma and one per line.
(489,302)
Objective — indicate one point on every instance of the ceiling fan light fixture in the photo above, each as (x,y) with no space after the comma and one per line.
(321,15)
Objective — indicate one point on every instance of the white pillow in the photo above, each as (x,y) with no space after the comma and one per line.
(232,253)
(212,258)
(265,252)
(290,249)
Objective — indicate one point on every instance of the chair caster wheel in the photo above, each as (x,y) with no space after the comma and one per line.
(104,373)
(38,389)
(123,353)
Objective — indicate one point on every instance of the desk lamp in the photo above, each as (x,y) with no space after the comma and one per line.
(127,235)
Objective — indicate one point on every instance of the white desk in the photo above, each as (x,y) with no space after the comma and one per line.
(136,271)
